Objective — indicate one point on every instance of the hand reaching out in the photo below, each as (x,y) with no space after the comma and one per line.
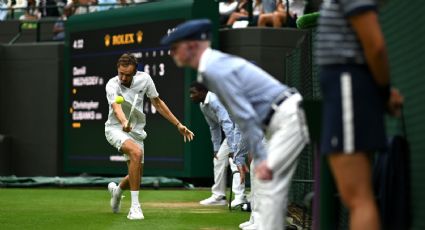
(187,134)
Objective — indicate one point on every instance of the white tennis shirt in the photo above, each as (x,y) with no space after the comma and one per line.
(142,84)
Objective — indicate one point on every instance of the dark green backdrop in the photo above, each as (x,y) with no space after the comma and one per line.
(403,24)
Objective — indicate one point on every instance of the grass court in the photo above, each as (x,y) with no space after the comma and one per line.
(88,208)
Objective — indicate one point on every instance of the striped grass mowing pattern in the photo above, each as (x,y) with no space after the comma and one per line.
(51,208)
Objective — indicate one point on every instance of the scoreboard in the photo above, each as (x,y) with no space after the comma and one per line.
(91,56)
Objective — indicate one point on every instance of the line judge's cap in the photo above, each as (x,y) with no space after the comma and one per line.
(197,29)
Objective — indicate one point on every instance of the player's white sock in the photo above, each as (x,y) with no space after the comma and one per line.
(134,198)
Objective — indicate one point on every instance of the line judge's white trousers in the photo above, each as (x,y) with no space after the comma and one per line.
(255,213)
(220,172)
(286,136)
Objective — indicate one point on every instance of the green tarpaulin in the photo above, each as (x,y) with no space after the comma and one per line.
(13,181)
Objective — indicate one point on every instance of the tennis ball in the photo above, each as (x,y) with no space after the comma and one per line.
(119,99)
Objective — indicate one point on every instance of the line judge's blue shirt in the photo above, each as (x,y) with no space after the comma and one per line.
(245,90)
(218,119)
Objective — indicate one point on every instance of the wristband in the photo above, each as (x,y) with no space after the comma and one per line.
(178,123)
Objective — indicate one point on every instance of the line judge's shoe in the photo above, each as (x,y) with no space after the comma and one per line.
(246,223)
(237,202)
(214,201)
(115,197)
(135,213)
(253,226)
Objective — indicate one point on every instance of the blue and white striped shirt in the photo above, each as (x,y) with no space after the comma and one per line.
(245,90)
(337,42)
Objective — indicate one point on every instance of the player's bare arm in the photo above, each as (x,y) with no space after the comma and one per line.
(163,109)
(368,30)
(119,114)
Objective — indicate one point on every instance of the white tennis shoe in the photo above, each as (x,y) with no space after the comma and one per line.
(213,201)
(115,197)
(253,226)
(246,223)
(135,213)
(237,202)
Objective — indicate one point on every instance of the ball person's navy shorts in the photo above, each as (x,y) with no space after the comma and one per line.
(353,111)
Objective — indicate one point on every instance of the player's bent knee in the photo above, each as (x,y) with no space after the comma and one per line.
(135,155)
(132,149)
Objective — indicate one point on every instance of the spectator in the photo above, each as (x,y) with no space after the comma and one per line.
(269,6)
(61,5)
(59,26)
(257,8)
(48,8)
(3,10)
(84,6)
(122,3)
(31,12)
(282,15)
(225,9)
(18,3)
(241,11)
(109,5)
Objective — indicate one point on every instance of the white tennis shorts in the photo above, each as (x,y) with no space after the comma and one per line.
(116,137)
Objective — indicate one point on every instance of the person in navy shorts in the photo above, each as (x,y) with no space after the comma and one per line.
(355,82)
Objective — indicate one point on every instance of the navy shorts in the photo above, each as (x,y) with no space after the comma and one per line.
(353,110)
